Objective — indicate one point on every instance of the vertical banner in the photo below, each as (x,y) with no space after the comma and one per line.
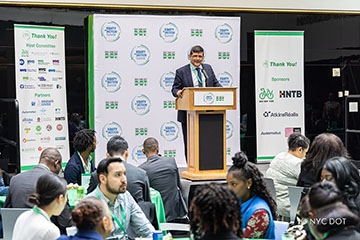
(279,86)
(41,91)
(132,63)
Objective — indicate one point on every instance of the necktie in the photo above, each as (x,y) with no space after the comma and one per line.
(200,77)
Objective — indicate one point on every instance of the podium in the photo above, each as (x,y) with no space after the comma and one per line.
(206,130)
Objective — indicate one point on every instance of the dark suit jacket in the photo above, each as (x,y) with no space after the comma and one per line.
(23,185)
(164,176)
(74,168)
(137,183)
(183,78)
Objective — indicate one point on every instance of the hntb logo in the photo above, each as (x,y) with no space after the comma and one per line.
(290,94)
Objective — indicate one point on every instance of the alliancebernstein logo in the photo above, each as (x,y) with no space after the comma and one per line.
(280,114)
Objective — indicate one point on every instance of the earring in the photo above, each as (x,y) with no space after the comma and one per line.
(248,187)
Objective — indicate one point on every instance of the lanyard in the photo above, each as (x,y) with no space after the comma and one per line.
(113,215)
(38,211)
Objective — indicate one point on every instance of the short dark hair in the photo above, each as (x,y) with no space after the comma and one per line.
(150,144)
(83,139)
(296,140)
(196,49)
(116,145)
(103,165)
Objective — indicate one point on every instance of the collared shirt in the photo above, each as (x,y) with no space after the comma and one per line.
(87,167)
(195,76)
(134,216)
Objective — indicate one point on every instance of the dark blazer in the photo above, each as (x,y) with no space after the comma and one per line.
(137,183)
(164,176)
(74,168)
(23,185)
(183,78)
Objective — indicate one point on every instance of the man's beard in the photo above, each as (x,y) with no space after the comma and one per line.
(113,190)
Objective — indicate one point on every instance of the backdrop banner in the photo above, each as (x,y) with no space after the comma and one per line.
(41,91)
(132,63)
(279,84)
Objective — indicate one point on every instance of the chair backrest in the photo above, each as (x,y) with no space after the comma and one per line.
(280,229)
(71,231)
(294,196)
(174,227)
(9,216)
(270,185)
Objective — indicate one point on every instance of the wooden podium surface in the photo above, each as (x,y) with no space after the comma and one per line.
(206,130)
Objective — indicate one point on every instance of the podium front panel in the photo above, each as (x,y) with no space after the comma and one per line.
(211,144)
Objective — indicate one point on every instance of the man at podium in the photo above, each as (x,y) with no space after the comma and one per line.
(194,74)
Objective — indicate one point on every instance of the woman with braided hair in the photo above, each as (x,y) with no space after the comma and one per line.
(92,218)
(258,208)
(215,213)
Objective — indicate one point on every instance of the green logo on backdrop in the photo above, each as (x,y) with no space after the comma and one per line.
(140,82)
(168,55)
(170,153)
(196,32)
(140,32)
(141,131)
(223,55)
(169,104)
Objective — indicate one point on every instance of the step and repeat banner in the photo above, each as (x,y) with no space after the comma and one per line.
(132,63)
(279,86)
(41,91)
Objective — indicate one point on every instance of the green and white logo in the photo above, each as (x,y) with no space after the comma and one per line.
(224,33)
(110,31)
(229,129)
(111,82)
(141,104)
(167,80)
(140,55)
(169,32)
(111,129)
(169,131)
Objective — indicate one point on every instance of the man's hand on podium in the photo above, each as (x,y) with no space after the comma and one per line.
(179,93)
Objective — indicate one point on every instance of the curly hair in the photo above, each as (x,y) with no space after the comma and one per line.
(347,179)
(88,213)
(296,140)
(83,139)
(323,147)
(215,208)
(243,169)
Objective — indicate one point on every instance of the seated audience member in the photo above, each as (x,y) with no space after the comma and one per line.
(22,185)
(164,176)
(322,148)
(327,216)
(81,162)
(3,188)
(345,175)
(258,208)
(137,179)
(49,199)
(92,218)
(126,212)
(284,169)
(215,213)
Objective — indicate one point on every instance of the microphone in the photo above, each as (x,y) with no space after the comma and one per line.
(205,74)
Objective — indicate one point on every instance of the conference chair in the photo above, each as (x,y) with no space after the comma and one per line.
(271,186)
(9,216)
(178,230)
(294,196)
